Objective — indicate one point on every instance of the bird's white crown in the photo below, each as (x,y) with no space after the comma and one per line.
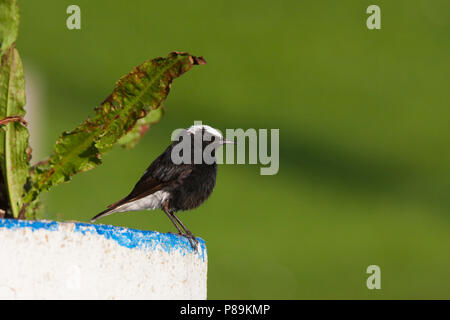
(198,127)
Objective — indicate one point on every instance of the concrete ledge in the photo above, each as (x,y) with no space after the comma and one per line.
(53,260)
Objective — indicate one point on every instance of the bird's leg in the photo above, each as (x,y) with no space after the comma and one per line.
(188,234)
(173,221)
(183,226)
(192,240)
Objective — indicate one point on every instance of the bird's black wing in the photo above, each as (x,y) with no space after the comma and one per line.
(161,173)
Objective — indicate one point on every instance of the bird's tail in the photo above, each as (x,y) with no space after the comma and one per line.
(102,214)
(111,209)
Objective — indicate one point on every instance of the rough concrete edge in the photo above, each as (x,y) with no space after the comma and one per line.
(126,237)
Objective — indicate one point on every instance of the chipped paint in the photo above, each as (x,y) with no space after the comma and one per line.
(129,238)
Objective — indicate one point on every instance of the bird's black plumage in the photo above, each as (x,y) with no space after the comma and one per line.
(172,187)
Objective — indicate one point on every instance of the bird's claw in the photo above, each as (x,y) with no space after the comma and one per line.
(191,238)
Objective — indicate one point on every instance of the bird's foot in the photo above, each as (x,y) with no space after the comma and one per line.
(192,240)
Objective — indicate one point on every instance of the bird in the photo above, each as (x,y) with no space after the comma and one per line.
(175,186)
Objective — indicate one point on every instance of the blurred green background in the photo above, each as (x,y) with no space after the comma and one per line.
(364,119)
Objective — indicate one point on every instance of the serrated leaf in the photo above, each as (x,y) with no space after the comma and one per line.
(120,116)
(129,140)
(13,135)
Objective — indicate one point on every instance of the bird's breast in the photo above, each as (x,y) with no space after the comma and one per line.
(195,189)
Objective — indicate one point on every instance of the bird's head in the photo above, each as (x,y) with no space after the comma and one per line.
(208,134)
(197,143)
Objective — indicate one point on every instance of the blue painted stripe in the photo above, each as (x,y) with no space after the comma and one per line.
(129,238)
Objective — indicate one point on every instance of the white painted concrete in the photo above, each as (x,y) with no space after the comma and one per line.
(49,260)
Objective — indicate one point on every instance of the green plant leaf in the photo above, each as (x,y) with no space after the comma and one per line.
(121,118)
(129,140)
(9,23)
(13,135)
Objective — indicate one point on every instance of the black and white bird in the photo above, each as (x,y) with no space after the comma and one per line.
(175,187)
